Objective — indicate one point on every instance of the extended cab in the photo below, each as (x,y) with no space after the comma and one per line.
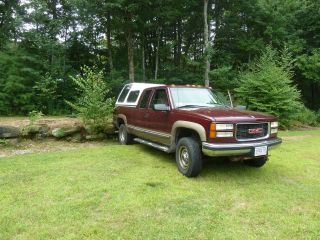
(192,121)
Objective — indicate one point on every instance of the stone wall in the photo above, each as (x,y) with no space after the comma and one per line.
(64,130)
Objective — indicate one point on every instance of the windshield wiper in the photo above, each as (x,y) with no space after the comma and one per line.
(190,106)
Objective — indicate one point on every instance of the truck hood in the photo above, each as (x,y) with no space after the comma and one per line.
(219,114)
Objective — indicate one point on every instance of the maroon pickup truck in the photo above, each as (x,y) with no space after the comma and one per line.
(192,121)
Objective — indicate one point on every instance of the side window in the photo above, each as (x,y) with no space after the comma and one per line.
(160,97)
(133,95)
(123,94)
(145,98)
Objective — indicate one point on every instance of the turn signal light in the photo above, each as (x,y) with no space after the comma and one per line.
(212,130)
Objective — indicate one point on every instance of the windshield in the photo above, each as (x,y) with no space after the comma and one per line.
(197,97)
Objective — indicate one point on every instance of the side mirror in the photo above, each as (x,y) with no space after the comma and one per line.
(240,107)
(161,107)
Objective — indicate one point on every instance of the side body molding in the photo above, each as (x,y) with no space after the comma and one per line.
(189,125)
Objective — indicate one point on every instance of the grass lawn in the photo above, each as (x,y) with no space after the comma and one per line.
(135,192)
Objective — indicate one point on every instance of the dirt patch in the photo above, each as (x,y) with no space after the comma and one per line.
(52,122)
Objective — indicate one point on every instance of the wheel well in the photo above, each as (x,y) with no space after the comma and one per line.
(119,122)
(186,132)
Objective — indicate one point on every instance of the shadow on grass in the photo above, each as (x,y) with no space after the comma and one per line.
(164,157)
(217,167)
(223,168)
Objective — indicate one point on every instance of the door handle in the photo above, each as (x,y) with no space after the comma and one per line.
(146,115)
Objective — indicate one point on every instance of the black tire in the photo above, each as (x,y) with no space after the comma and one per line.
(256,162)
(124,137)
(189,157)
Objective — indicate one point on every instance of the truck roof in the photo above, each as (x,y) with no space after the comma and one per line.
(142,86)
(130,93)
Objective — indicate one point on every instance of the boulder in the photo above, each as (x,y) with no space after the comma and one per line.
(58,132)
(65,131)
(35,130)
(9,131)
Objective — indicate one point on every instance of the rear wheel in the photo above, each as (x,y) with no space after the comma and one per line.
(256,162)
(188,157)
(124,137)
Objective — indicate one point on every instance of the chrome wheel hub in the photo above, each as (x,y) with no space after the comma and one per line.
(122,135)
(184,159)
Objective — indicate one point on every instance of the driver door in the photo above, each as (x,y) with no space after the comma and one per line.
(159,121)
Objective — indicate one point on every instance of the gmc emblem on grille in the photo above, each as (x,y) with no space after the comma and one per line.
(255,130)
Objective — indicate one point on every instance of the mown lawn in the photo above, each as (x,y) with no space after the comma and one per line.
(134,192)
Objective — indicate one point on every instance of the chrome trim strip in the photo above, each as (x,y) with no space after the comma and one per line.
(228,153)
(231,149)
(144,130)
(222,146)
(251,139)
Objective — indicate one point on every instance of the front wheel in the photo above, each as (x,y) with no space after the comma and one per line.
(256,162)
(188,157)
(124,137)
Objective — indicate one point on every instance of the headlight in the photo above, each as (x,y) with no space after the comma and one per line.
(224,134)
(274,124)
(223,126)
(274,127)
(221,130)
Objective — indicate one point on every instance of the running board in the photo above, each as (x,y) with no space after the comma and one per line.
(151,144)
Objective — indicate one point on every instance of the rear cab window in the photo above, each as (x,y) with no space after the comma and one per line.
(124,94)
(133,96)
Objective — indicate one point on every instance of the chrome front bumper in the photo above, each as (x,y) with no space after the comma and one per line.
(234,149)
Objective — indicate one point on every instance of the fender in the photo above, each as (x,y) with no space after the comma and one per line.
(123,117)
(190,125)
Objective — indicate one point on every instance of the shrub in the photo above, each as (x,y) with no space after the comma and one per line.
(306,117)
(34,116)
(267,86)
(92,104)
(32,128)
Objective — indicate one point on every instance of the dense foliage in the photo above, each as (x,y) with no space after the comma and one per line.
(267,86)
(44,42)
(92,105)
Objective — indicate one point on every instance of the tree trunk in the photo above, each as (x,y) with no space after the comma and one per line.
(130,55)
(206,43)
(143,63)
(179,41)
(157,55)
(175,41)
(109,42)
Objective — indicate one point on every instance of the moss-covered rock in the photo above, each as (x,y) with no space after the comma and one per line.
(9,131)
(66,131)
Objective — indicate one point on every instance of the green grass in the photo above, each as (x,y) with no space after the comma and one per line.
(134,192)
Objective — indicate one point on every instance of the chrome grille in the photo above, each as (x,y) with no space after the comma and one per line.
(250,131)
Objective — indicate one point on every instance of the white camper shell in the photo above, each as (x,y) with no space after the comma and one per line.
(130,93)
